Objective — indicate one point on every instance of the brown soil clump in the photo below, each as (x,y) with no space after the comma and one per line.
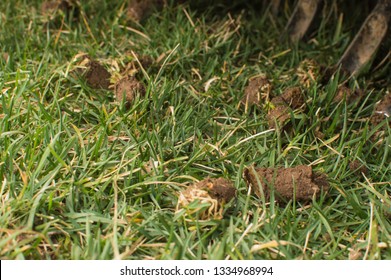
(357,167)
(49,9)
(283,105)
(5,56)
(220,189)
(257,91)
(138,9)
(382,111)
(96,75)
(211,194)
(345,93)
(298,182)
(127,88)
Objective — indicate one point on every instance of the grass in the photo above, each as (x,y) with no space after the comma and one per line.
(84,177)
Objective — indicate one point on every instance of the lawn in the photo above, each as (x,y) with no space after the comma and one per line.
(86,175)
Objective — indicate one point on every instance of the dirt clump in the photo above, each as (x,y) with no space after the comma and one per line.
(345,93)
(97,76)
(210,194)
(257,90)
(357,167)
(127,88)
(283,105)
(298,182)
(220,189)
(5,56)
(139,9)
(382,111)
(50,9)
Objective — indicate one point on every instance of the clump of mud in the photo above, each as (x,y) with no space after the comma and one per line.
(345,93)
(95,74)
(298,182)
(111,75)
(283,106)
(257,91)
(382,111)
(50,9)
(139,9)
(127,89)
(357,167)
(5,56)
(207,197)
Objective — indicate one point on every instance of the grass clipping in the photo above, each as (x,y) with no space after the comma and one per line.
(205,199)
(298,182)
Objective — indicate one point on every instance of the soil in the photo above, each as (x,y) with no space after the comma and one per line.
(345,93)
(357,167)
(96,75)
(214,192)
(257,91)
(49,8)
(139,9)
(298,182)
(220,188)
(5,56)
(382,111)
(283,105)
(127,88)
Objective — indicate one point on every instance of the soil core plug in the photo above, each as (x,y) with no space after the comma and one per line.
(206,198)
(298,182)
